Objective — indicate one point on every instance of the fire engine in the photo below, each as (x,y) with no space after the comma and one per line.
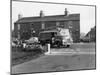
(56,37)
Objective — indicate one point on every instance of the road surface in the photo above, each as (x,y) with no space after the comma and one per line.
(78,56)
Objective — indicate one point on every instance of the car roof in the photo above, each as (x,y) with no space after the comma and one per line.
(49,31)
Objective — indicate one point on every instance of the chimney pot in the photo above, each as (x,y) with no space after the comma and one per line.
(19,16)
(66,12)
(41,14)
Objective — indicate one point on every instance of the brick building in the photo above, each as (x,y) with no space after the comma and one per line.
(92,34)
(28,25)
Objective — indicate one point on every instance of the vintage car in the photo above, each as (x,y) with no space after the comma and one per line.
(32,43)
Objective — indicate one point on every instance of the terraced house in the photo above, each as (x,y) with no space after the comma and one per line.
(24,27)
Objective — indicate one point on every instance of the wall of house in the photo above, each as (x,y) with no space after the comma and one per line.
(92,34)
(36,27)
(50,24)
(74,27)
(16,30)
(25,31)
(75,31)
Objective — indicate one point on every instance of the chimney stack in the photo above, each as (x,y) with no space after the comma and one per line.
(41,14)
(19,16)
(66,12)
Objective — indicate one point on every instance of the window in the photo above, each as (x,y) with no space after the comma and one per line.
(43,25)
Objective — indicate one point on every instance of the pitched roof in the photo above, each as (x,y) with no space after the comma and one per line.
(49,18)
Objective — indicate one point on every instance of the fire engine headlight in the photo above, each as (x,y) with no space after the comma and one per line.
(63,41)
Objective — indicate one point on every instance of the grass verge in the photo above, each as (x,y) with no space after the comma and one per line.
(20,55)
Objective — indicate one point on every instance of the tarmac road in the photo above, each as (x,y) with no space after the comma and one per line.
(78,56)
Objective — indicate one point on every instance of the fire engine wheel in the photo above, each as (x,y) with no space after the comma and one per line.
(58,45)
(68,46)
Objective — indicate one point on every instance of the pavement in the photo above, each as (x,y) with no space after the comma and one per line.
(79,56)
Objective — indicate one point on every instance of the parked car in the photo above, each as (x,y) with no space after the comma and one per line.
(16,42)
(13,44)
(32,43)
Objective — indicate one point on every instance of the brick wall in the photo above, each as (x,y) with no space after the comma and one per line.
(74,26)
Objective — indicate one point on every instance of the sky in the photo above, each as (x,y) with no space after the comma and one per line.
(29,9)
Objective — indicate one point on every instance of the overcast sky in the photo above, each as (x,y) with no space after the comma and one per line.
(27,9)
